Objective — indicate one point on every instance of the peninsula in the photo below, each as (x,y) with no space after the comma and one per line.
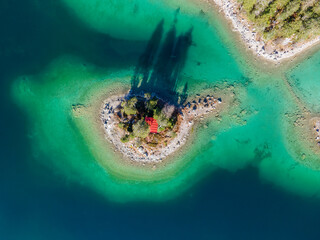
(274,29)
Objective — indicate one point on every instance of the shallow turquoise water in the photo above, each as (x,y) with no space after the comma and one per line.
(239,170)
(305,79)
(250,135)
(49,95)
(208,58)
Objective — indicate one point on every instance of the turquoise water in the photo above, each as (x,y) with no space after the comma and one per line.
(48,96)
(305,78)
(235,171)
(250,134)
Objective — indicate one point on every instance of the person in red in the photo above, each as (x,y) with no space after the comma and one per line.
(153,124)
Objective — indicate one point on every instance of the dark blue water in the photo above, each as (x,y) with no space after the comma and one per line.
(37,203)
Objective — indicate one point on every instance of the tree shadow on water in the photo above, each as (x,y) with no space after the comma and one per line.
(161,63)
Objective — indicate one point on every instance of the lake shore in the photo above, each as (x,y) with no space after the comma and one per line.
(248,34)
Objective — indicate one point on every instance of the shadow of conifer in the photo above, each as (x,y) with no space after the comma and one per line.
(160,65)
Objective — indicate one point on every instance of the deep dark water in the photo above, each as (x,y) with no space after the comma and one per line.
(223,206)
(36,203)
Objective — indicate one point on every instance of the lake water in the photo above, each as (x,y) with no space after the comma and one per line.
(240,180)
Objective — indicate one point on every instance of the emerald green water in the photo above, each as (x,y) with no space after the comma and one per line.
(250,134)
(305,78)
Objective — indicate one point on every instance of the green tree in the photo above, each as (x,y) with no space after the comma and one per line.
(147,96)
(161,118)
(141,129)
(129,107)
(127,138)
(152,103)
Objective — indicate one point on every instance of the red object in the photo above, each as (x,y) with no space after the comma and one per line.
(153,124)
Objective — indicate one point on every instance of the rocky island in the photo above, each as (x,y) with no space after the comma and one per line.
(145,128)
(154,119)
(147,122)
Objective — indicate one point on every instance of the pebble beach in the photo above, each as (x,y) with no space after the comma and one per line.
(256,44)
(194,110)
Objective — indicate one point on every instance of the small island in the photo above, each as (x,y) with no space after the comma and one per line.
(155,118)
(146,128)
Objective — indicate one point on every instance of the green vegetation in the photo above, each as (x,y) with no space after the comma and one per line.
(129,107)
(162,119)
(127,138)
(276,19)
(132,114)
(141,129)
(152,103)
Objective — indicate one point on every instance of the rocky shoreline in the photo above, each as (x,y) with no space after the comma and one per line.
(194,110)
(266,50)
(316,129)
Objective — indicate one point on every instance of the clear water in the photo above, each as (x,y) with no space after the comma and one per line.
(235,172)
(304,79)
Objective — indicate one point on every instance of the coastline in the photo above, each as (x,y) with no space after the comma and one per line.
(302,138)
(257,45)
(88,121)
(300,126)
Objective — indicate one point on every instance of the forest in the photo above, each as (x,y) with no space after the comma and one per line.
(276,19)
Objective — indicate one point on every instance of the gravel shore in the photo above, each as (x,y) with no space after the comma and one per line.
(194,110)
(230,9)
